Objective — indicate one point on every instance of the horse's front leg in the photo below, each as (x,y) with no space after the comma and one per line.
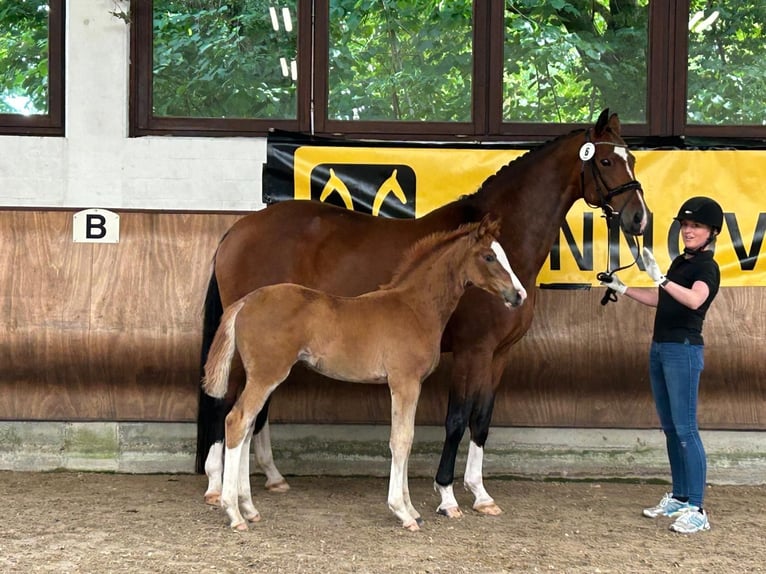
(481,418)
(404,401)
(470,369)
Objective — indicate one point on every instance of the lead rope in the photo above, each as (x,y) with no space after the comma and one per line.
(611,294)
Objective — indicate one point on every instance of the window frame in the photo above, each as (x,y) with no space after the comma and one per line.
(52,123)
(665,106)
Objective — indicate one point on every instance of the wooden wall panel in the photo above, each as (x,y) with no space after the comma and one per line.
(103,331)
(112,332)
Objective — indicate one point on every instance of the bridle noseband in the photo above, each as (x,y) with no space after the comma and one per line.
(587,156)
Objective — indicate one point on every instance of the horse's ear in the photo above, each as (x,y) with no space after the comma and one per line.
(489,225)
(602,122)
(607,122)
(614,124)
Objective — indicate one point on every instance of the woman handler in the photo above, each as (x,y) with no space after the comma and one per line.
(676,356)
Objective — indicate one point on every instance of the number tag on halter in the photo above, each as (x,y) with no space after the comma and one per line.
(587,151)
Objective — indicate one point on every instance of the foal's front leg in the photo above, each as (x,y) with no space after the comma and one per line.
(275,482)
(404,402)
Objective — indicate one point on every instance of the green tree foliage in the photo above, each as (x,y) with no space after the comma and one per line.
(413,59)
(565,60)
(400,60)
(23,56)
(222,59)
(727,63)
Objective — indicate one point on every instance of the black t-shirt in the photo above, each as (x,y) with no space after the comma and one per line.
(674,322)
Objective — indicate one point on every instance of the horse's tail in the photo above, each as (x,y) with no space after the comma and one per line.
(218,366)
(210,410)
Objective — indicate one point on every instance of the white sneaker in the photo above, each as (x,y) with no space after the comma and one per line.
(691,521)
(668,506)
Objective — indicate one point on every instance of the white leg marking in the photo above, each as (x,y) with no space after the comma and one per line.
(229,492)
(473,479)
(400,443)
(265,459)
(214,472)
(245,496)
(449,502)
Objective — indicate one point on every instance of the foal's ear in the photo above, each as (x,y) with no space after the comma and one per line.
(489,225)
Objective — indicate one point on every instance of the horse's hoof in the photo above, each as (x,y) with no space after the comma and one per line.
(213,498)
(241,527)
(452,512)
(419,520)
(279,487)
(254,518)
(488,509)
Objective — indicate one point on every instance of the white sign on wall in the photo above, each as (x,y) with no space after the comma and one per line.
(96,226)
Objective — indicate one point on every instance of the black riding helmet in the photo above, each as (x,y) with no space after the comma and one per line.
(702,210)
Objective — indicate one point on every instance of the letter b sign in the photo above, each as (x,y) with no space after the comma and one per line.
(96,226)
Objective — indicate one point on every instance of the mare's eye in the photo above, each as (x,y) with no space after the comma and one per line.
(606,162)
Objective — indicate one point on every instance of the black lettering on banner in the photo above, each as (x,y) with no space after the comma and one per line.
(95,226)
(747,259)
(584,258)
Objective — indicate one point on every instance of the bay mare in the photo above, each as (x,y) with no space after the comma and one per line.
(348,253)
(391,335)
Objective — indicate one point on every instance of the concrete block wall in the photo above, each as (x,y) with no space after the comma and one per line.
(734,457)
(97,165)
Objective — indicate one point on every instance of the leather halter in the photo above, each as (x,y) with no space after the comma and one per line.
(610,213)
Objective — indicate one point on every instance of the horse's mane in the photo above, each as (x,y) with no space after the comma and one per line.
(524,158)
(425,248)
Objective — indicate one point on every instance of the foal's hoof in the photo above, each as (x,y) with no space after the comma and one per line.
(452,512)
(419,520)
(412,526)
(279,487)
(213,498)
(488,509)
(241,527)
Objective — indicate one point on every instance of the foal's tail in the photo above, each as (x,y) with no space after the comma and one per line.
(218,365)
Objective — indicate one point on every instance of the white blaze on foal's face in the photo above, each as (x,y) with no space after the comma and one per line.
(503,259)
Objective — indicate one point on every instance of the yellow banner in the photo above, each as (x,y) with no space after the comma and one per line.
(733,178)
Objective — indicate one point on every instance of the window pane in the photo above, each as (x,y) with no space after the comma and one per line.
(727,68)
(400,60)
(567,60)
(234,59)
(24,57)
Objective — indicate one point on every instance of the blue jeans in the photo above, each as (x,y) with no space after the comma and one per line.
(674,371)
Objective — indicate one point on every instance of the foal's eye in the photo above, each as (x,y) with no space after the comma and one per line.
(489,258)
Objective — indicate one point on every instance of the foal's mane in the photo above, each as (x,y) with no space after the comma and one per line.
(426,247)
